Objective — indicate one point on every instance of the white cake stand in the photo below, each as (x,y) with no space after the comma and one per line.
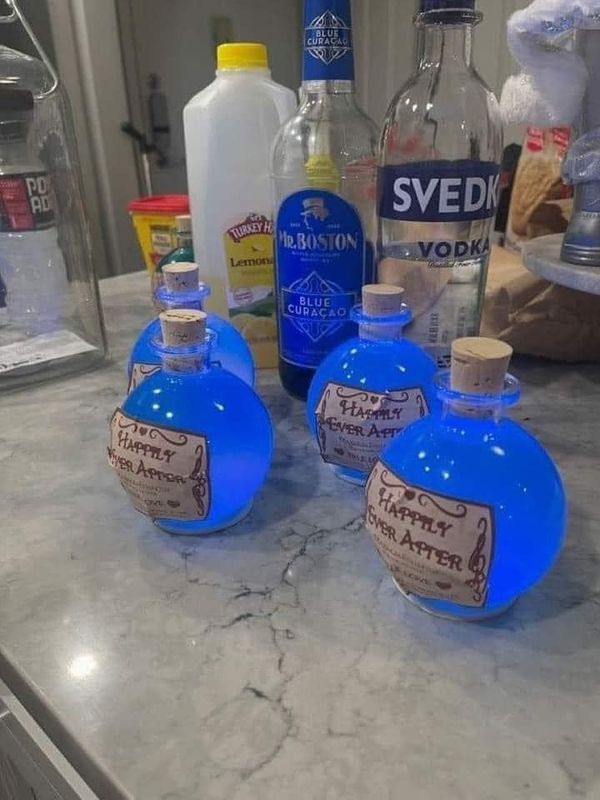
(542,257)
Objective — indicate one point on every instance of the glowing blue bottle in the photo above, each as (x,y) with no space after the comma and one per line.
(465,507)
(370,387)
(182,289)
(192,445)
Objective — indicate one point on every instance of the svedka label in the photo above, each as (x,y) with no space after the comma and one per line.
(164,471)
(354,425)
(26,202)
(328,41)
(439,191)
(320,257)
(435,546)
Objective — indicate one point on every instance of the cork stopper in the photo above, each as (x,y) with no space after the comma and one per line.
(479,365)
(181,277)
(183,327)
(382,300)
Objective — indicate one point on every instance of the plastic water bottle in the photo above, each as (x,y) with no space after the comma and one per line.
(31,262)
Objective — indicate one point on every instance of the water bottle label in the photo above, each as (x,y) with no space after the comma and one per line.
(354,425)
(328,51)
(163,470)
(26,202)
(435,546)
(439,191)
(321,261)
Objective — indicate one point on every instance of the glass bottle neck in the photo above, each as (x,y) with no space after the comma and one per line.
(458,413)
(172,302)
(380,332)
(446,44)
(184,240)
(317,89)
(189,364)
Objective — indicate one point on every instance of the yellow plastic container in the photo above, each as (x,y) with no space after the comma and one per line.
(155,222)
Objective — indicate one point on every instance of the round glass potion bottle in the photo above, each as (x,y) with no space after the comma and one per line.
(192,445)
(465,507)
(182,289)
(370,387)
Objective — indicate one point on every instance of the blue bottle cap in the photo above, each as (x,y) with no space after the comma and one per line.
(447,5)
(328,47)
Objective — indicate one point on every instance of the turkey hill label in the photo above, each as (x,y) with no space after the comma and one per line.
(164,471)
(435,546)
(354,425)
(248,245)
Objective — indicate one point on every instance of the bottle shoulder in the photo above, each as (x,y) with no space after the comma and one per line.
(443,115)
(189,401)
(348,125)
(380,366)
(474,442)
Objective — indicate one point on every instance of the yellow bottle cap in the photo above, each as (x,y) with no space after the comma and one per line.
(242,55)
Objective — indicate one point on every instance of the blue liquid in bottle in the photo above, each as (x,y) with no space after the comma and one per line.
(465,507)
(370,387)
(227,432)
(230,349)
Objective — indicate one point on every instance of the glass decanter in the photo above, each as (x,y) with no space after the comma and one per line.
(370,387)
(193,444)
(182,289)
(51,322)
(465,507)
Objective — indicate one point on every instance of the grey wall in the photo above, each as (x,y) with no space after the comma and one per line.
(175,40)
(38,17)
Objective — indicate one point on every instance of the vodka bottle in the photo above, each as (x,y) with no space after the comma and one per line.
(31,262)
(438,182)
(324,172)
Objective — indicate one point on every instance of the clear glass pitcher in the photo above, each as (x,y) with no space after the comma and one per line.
(50,315)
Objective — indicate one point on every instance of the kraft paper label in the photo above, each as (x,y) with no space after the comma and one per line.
(139,373)
(164,471)
(435,546)
(354,425)
(248,244)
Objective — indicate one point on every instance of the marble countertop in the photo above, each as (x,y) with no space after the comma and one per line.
(278,661)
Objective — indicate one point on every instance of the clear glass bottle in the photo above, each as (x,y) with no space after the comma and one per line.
(370,387)
(465,507)
(193,444)
(438,182)
(182,289)
(53,323)
(324,174)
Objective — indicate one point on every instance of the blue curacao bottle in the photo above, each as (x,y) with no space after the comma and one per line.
(182,289)
(465,507)
(370,387)
(192,445)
